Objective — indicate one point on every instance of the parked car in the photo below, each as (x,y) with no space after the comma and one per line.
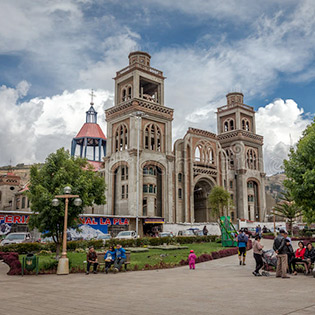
(186,233)
(196,231)
(165,234)
(104,237)
(126,235)
(16,238)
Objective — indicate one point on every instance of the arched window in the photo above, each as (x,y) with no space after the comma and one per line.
(230,157)
(180,177)
(204,153)
(124,97)
(197,154)
(245,124)
(23,202)
(121,138)
(231,124)
(251,159)
(153,138)
(126,93)
(228,125)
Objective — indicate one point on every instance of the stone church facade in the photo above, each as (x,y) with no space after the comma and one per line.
(174,181)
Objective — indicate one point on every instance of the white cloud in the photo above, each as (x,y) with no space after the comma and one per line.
(31,130)
(281,123)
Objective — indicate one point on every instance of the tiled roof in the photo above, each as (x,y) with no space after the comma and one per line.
(91,130)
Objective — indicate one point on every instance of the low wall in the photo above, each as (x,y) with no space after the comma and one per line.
(253,224)
(213,228)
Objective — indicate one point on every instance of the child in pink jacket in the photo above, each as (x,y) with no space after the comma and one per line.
(192,259)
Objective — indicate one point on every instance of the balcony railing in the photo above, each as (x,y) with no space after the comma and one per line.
(139,66)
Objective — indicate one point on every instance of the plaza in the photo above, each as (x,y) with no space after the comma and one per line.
(216,287)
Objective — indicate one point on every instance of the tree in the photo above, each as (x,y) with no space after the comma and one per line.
(60,170)
(300,171)
(288,209)
(219,199)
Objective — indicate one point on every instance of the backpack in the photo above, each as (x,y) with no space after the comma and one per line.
(242,238)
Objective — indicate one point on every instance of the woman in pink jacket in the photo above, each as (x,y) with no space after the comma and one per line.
(192,260)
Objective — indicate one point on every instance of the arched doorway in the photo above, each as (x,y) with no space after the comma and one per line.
(201,193)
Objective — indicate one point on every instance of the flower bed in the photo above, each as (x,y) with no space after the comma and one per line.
(12,259)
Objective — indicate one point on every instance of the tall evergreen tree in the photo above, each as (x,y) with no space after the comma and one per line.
(287,209)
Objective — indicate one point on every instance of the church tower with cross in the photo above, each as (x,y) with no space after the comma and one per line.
(90,142)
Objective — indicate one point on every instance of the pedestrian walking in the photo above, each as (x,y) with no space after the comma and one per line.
(257,250)
(192,260)
(242,240)
(205,230)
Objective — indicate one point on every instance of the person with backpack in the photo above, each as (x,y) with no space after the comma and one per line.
(242,240)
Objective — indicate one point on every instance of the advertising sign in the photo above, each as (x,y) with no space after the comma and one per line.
(89,226)
(6,222)
(93,227)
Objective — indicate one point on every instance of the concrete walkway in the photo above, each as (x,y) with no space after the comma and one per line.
(216,287)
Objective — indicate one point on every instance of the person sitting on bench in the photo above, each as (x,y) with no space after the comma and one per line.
(109,258)
(299,257)
(120,258)
(91,259)
(309,255)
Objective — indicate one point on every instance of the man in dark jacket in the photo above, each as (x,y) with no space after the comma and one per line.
(279,246)
(290,253)
(309,255)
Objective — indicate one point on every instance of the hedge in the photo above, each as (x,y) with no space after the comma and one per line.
(12,259)
(25,248)
(155,241)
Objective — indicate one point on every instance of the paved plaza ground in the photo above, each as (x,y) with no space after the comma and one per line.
(215,287)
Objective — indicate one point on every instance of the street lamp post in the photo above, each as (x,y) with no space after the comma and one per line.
(63,263)
(138,115)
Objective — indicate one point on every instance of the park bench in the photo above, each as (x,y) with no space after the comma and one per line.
(301,263)
(101,261)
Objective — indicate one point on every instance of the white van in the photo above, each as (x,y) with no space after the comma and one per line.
(126,235)
(16,238)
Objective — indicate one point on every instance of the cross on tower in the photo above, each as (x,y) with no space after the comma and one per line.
(92,96)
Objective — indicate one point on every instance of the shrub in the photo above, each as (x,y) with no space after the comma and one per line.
(50,265)
(22,248)
(12,259)
(44,252)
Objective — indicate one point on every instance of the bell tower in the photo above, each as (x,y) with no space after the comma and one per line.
(244,157)
(139,129)
(139,80)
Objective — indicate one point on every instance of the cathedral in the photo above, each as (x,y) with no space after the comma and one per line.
(149,177)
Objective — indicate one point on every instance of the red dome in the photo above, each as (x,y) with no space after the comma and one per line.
(91,130)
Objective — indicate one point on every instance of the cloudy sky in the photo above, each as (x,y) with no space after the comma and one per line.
(52,52)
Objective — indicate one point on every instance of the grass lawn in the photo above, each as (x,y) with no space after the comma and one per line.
(152,257)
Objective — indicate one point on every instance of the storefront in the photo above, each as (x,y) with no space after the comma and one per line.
(152,226)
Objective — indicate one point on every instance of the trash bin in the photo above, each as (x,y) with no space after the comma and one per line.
(30,262)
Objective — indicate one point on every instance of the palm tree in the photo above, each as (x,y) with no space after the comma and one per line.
(287,208)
